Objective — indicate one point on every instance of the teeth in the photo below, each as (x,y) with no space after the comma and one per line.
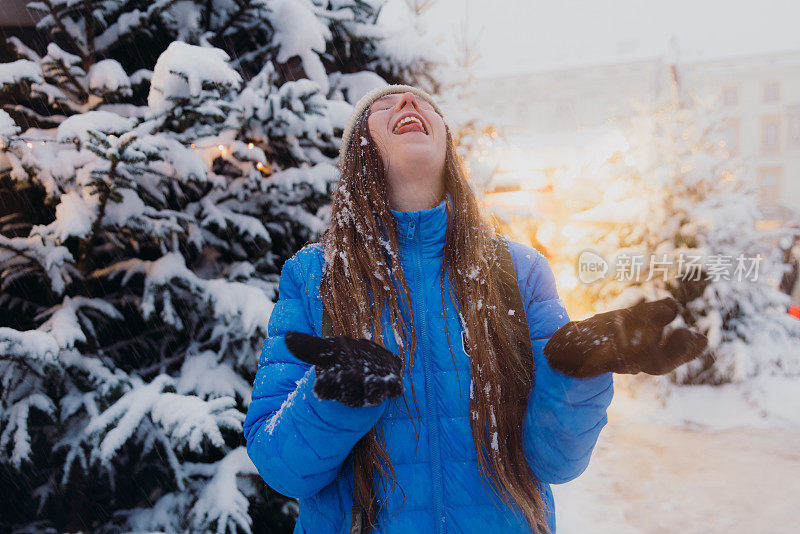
(407,120)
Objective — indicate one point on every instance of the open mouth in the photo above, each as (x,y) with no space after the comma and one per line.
(409,123)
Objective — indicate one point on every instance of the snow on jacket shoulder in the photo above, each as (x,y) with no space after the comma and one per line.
(300,444)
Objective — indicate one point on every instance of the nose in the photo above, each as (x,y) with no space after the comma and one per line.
(407,98)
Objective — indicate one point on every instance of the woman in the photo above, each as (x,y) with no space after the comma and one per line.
(452,425)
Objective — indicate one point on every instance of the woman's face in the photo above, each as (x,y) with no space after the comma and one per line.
(419,143)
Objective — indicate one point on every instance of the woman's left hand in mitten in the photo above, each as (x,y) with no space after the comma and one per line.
(629,340)
(356,372)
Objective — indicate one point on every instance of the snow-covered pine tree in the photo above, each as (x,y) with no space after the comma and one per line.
(159,161)
(672,212)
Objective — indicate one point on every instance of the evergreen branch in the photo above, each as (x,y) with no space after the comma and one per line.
(159,367)
(24,362)
(42,121)
(19,252)
(220,33)
(89,34)
(144,22)
(260,52)
(105,194)
(78,91)
(5,243)
(9,302)
(63,29)
(157,332)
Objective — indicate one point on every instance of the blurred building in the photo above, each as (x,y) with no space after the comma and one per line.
(760,98)
(16,20)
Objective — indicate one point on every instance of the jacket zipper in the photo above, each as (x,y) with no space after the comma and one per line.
(438,505)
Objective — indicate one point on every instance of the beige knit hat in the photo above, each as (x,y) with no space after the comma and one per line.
(368,99)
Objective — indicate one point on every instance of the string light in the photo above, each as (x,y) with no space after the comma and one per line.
(9,141)
(29,140)
(52,140)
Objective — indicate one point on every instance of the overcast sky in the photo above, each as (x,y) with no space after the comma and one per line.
(530,35)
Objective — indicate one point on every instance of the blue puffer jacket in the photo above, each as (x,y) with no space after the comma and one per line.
(300,444)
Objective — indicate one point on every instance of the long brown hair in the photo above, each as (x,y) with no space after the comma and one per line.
(363,274)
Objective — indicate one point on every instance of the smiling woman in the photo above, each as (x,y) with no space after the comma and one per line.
(409,131)
(392,400)
(411,136)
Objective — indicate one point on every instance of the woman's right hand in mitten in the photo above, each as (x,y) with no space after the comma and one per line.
(355,372)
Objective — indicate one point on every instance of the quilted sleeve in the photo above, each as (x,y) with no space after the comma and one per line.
(565,414)
(297,442)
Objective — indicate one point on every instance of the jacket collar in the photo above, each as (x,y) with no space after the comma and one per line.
(422,231)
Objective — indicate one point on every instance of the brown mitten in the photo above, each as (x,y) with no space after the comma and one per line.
(629,340)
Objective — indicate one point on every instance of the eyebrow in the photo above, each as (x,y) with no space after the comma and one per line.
(393,97)
(384,97)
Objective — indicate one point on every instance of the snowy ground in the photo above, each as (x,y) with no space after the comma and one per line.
(706,460)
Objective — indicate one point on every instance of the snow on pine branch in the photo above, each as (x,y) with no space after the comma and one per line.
(68,319)
(16,427)
(203,375)
(187,420)
(32,345)
(183,73)
(52,259)
(108,77)
(218,214)
(77,127)
(18,71)
(233,303)
(221,506)
(8,127)
(288,16)
(221,502)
